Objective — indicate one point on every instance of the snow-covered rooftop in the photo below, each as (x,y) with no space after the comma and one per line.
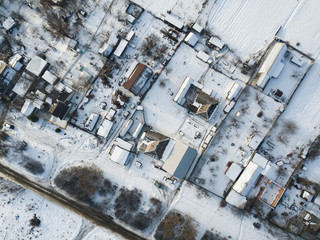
(36,66)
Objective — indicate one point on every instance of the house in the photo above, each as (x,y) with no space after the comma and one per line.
(9,24)
(258,178)
(120,151)
(153,144)
(60,110)
(15,63)
(36,66)
(27,108)
(121,47)
(180,160)
(196,27)
(272,64)
(191,39)
(173,21)
(23,85)
(192,97)
(105,128)
(7,74)
(204,57)
(92,121)
(137,76)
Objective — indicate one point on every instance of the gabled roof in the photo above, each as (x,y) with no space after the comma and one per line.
(180,160)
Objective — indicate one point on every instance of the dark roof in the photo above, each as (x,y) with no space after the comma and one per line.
(185,163)
(134,75)
(60,110)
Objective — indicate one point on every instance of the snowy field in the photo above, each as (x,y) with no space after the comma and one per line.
(18,206)
(301,29)
(246,26)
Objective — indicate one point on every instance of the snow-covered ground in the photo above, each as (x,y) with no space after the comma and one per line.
(246,26)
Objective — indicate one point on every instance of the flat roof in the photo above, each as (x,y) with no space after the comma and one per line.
(174,21)
(179,160)
(233,171)
(105,128)
(49,77)
(121,47)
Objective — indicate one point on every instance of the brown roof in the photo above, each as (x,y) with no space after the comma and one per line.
(134,75)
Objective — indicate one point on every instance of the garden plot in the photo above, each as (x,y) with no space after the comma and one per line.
(246,26)
(187,11)
(213,215)
(297,127)
(19,206)
(301,30)
(251,119)
(161,112)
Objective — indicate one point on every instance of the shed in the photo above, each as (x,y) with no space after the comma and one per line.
(236,199)
(130,35)
(22,86)
(203,56)
(179,160)
(234,91)
(233,171)
(191,39)
(36,66)
(106,50)
(216,42)
(174,21)
(121,47)
(197,28)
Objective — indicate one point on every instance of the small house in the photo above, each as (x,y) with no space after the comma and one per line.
(173,21)
(92,121)
(191,39)
(121,48)
(9,24)
(36,66)
(216,42)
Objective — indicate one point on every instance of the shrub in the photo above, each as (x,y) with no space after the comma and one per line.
(35,222)
(81,182)
(57,130)
(33,166)
(33,118)
(289,127)
(3,136)
(176,226)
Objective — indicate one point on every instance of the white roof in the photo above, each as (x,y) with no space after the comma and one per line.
(247,179)
(126,127)
(14,59)
(131,69)
(273,57)
(317,200)
(121,47)
(203,56)
(197,27)
(191,39)
(22,86)
(174,21)
(184,88)
(36,65)
(236,199)
(110,114)
(130,35)
(297,60)
(138,130)
(27,108)
(271,171)
(119,155)
(234,91)
(255,141)
(8,23)
(123,144)
(105,128)
(49,77)
(263,80)
(261,161)
(229,106)
(91,122)
(233,171)
(216,42)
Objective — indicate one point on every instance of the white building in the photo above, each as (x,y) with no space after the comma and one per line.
(191,39)
(36,66)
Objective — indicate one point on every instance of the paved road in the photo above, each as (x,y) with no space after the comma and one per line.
(94,216)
